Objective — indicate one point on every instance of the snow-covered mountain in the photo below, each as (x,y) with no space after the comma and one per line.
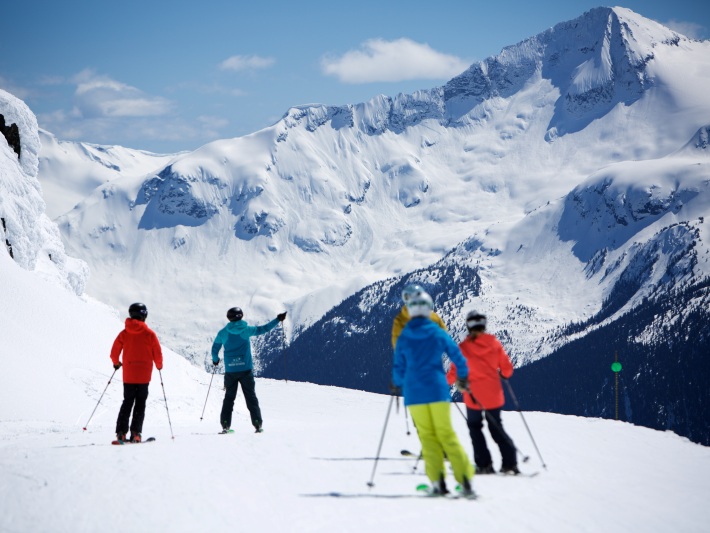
(559,186)
(331,198)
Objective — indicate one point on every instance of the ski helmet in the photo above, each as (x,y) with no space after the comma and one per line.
(475,320)
(413,289)
(234,314)
(138,311)
(420,305)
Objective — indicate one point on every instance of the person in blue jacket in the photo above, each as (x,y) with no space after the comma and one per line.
(419,373)
(238,366)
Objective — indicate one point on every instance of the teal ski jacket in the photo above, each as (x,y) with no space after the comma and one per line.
(418,367)
(235,337)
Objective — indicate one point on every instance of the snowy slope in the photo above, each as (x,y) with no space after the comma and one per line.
(308,471)
(331,198)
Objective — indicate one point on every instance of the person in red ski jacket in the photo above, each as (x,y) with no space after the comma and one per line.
(141,349)
(487,364)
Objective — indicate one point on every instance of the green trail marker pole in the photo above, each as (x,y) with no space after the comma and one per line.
(616,368)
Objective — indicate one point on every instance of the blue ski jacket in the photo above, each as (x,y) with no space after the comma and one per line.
(418,367)
(235,337)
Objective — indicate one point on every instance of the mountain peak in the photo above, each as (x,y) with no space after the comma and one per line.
(596,61)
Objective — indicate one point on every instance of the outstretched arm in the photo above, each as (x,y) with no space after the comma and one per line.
(253,331)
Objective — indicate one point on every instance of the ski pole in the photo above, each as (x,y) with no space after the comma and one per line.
(495,424)
(208,393)
(102,395)
(379,448)
(166,403)
(406,421)
(517,406)
(416,463)
(283,349)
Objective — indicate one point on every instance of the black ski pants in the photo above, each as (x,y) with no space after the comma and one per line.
(231,385)
(481,455)
(134,398)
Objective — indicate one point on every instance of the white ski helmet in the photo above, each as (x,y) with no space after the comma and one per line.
(420,305)
(474,319)
(411,290)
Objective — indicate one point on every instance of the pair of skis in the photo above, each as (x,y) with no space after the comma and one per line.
(122,442)
(228,431)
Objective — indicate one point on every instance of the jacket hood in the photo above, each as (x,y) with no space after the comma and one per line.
(135,326)
(418,326)
(236,327)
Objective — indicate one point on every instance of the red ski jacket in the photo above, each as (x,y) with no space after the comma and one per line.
(140,348)
(484,356)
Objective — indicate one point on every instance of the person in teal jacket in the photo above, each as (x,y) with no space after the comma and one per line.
(235,337)
(419,372)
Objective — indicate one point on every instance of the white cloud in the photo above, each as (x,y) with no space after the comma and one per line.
(238,63)
(689,29)
(108,111)
(378,60)
(100,96)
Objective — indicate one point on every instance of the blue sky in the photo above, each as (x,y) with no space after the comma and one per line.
(166,77)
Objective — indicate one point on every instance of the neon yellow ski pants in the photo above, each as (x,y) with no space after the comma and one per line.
(437,435)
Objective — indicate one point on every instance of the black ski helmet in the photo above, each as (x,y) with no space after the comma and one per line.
(138,311)
(234,314)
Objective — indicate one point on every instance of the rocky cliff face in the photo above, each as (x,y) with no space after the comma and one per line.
(30,238)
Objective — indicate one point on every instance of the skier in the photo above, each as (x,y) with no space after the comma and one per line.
(418,372)
(400,321)
(402,317)
(487,364)
(141,349)
(235,337)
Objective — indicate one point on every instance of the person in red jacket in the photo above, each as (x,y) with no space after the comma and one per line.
(141,348)
(487,364)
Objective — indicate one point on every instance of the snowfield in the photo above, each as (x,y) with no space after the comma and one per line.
(602,476)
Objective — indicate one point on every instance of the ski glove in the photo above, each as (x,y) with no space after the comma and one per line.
(281,316)
(117,366)
(215,363)
(395,390)
(462,384)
